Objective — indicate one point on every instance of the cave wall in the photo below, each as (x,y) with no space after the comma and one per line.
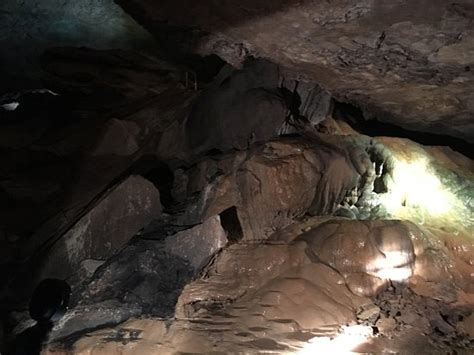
(27,27)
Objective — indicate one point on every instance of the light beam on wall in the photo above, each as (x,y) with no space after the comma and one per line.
(393,265)
(345,342)
(415,186)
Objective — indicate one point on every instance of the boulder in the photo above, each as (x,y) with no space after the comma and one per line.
(196,245)
(105,228)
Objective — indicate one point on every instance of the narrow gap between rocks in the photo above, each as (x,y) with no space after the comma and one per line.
(374,127)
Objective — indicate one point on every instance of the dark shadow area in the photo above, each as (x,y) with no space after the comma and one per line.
(231,224)
(30,341)
(159,174)
(51,173)
(48,304)
(181,25)
(204,68)
(354,116)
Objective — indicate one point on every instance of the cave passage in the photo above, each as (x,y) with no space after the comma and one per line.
(288,177)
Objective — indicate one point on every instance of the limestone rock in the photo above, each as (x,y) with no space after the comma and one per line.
(399,62)
(382,250)
(145,277)
(467,326)
(198,244)
(386,325)
(251,292)
(107,227)
(91,317)
(278,181)
(119,82)
(240,108)
(369,312)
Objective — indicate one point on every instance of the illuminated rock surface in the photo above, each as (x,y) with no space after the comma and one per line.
(275,296)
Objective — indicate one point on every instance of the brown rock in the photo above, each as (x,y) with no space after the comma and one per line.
(367,253)
(467,326)
(370,312)
(271,186)
(386,325)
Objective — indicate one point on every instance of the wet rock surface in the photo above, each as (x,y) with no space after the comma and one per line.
(275,297)
(306,177)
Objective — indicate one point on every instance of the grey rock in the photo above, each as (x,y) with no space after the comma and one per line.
(92,317)
(89,266)
(105,228)
(198,244)
(240,108)
(144,273)
(345,212)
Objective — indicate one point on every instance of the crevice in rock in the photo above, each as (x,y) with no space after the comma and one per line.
(231,224)
(159,174)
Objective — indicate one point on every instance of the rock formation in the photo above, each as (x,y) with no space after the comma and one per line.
(270,176)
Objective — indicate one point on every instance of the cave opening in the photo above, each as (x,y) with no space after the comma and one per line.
(374,127)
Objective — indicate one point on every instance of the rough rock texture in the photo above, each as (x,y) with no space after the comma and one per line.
(276,296)
(429,185)
(27,28)
(240,108)
(146,277)
(106,228)
(269,185)
(115,83)
(409,63)
(119,138)
(59,152)
(197,244)
(367,254)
